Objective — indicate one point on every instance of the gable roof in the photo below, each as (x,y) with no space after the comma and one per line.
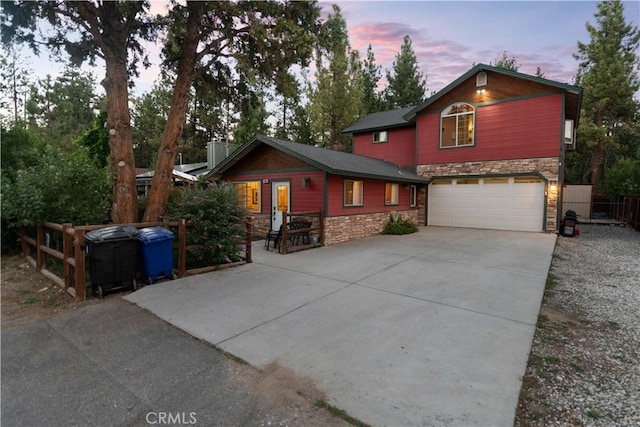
(331,161)
(381,120)
(575,90)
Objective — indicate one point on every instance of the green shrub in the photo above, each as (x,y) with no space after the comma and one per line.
(62,187)
(623,179)
(218,221)
(398,225)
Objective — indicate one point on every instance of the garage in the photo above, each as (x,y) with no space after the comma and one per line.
(497,203)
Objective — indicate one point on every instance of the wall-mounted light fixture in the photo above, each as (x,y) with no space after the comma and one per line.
(305,181)
(553,186)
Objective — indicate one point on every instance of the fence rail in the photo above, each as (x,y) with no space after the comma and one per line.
(70,250)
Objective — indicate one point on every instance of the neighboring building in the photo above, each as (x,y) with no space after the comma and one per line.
(492,145)
(185,174)
(355,193)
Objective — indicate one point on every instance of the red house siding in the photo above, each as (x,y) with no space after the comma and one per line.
(399,149)
(373,197)
(310,198)
(528,128)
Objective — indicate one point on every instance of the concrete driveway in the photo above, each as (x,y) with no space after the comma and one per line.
(432,328)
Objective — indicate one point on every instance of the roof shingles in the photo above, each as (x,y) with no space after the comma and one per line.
(381,120)
(334,162)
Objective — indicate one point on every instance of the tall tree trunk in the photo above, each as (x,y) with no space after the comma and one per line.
(169,147)
(123,168)
(597,164)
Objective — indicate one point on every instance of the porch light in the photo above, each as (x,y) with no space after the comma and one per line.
(305,181)
(553,187)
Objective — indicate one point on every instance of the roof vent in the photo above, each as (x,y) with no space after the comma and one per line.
(481,80)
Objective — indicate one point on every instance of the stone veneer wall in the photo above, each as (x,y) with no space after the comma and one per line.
(261,224)
(546,166)
(339,229)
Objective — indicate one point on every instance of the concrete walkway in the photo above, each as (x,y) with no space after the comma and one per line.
(432,328)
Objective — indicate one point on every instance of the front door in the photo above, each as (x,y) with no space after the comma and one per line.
(280,202)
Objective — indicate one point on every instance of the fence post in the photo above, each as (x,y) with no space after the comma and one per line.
(39,242)
(22,232)
(78,254)
(285,235)
(248,238)
(182,248)
(67,245)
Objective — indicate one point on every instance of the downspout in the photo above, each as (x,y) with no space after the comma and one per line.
(416,154)
(561,162)
(325,210)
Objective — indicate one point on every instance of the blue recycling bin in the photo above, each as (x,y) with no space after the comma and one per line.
(156,253)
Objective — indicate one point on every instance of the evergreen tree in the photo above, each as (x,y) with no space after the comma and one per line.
(14,84)
(336,100)
(507,62)
(406,86)
(608,74)
(253,118)
(301,126)
(113,31)
(96,141)
(149,114)
(62,110)
(371,75)
(288,100)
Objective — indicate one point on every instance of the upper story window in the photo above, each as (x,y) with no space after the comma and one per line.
(457,124)
(379,137)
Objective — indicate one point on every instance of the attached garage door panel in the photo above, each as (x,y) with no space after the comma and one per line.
(497,204)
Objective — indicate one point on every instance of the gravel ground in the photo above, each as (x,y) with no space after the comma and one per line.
(584,366)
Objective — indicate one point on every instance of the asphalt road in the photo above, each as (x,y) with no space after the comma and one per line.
(114,364)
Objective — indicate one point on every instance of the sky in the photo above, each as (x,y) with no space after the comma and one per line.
(448,37)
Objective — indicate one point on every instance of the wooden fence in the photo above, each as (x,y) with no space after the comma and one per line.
(628,211)
(71,251)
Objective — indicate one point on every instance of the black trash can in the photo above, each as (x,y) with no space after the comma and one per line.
(112,256)
(568,224)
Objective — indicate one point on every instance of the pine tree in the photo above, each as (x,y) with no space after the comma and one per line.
(371,101)
(253,118)
(608,74)
(406,86)
(507,62)
(336,100)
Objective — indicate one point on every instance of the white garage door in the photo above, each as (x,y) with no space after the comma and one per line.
(504,203)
